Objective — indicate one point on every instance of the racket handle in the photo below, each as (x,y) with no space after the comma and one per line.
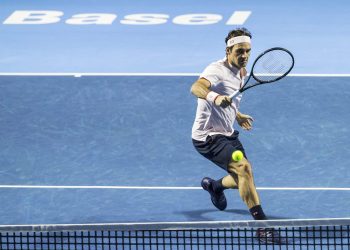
(234,94)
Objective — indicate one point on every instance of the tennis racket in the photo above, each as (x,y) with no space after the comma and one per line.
(270,66)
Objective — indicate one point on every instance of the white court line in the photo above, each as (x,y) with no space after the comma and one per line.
(166,188)
(80,74)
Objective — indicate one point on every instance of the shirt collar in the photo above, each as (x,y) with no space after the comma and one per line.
(233,68)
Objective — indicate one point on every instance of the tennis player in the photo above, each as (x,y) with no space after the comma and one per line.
(213,135)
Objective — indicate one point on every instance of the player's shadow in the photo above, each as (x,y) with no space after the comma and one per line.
(201,214)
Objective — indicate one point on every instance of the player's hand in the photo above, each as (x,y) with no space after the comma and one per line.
(223,101)
(245,121)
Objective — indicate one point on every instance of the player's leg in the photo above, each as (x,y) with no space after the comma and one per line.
(229,182)
(217,149)
(217,196)
(243,174)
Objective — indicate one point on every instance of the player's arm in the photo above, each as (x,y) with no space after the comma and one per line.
(201,89)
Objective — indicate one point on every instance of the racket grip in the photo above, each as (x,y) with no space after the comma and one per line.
(234,94)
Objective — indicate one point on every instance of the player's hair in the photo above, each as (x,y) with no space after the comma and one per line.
(237,32)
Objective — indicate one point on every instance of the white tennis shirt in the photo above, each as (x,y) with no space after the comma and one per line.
(211,119)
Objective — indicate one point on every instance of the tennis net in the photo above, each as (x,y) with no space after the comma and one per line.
(278,234)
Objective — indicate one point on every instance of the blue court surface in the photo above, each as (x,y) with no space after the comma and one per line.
(96,110)
(127,140)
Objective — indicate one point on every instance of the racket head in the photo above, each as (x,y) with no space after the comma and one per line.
(272,65)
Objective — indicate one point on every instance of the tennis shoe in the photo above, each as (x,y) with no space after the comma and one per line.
(270,236)
(217,198)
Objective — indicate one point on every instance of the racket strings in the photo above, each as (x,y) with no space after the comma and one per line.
(272,66)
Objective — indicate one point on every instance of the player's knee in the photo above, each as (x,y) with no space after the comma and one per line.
(241,168)
(245,170)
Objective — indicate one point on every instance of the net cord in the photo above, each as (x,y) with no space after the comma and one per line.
(185,225)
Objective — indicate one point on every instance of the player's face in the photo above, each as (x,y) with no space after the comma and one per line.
(239,55)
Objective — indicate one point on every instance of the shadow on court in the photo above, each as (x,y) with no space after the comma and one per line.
(201,214)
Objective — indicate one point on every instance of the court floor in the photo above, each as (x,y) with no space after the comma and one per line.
(96,149)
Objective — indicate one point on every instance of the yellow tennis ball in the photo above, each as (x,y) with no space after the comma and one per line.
(237,155)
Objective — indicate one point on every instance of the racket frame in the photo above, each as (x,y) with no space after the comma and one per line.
(259,82)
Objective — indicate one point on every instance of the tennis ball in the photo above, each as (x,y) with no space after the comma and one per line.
(237,155)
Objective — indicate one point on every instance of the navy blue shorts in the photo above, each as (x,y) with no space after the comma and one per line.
(219,148)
